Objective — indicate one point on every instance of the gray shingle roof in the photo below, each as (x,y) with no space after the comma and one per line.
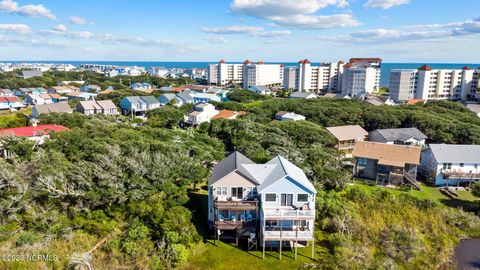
(400,134)
(456,153)
(302,94)
(61,107)
(263,175)
(149,99)
(107,104)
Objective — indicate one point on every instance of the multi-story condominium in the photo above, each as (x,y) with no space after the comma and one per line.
(434,84)
(290,78)
(223,73)
(259,73)
(249,74)
(387,164)
(361,76)
(347,136)
(451,164)
(322,78)
(271,204)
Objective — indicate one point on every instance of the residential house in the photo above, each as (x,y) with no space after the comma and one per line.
(347,137)
(56,98)
(288,116)
(271,204)
(34,99)
(6,93)
(377,100)
(138,105)
(93,88)
(402,136)
(83,96)
(141,86)
(204,97)
(451,164)
(34,133)
(259,89)
(303,95)
(62,90)
(387,164)
(10,103)
(26,74)
(170,98)
(475,108)
(23,92)
(227,114)
(222,93)
(96,107)
(201,113)
(61,107)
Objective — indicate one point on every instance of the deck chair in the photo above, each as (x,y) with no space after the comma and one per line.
(233,218)
(242,217)
(221,218)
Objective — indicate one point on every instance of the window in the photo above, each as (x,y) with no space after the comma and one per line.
(286,199)
(362,162)
(447,166)
(302,198)
(237,192)
(221,190)
(270,197)
(271,223)
(461,164)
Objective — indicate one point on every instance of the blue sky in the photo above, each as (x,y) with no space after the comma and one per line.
(235,30)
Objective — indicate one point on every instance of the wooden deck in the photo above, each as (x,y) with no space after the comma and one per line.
(235,205)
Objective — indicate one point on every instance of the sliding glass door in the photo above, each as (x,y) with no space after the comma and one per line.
(286,199)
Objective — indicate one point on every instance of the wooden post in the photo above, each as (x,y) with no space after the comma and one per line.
(296,242)
(263,254)
(313,248)
(280,247)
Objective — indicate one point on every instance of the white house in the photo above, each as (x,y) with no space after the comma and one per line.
(451,164)
(272,203)
(262,90)
(201,113)
(141,86)
(289,116)
(303,95)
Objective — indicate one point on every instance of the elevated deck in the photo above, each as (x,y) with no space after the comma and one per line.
(288,235)
(235,205)
(284,214)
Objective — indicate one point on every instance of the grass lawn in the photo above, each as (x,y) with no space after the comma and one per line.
(464,199)
(14,119)
(226,255)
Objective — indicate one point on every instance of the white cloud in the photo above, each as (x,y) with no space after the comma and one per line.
(249,30)
(411,33)
(385,4)
(20,29)
(279,8)
(318,22)
(78,20)
(217,40)
(60,28)
(234,29)
(27,10)
(296,13)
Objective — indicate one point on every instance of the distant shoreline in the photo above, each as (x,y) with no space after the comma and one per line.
(384,80)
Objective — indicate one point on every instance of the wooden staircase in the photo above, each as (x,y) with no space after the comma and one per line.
(412,181)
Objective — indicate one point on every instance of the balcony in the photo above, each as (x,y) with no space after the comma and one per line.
(235,224)
(235,205)
(455,174)
(343,146)
(285,214)
(288,234)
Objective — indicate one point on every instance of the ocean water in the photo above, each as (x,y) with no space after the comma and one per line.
(384,81)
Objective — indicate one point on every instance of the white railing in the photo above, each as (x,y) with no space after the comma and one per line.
(289,214)
(288,234)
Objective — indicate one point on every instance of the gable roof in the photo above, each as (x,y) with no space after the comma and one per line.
(61,107)
(400,134)
(230,164)
(264,175)
(456,153)
(302,95)
(388,154)
(31,131)
(285,168)
(107,104)
(89,105)
(345,133)
(149,99)
(473,107)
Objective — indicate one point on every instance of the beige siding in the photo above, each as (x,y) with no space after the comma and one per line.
(232,180)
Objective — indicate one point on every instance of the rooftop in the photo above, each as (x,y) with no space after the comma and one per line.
(346,133)
(400,134)
(456,153)
(31,131)
(388,154)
